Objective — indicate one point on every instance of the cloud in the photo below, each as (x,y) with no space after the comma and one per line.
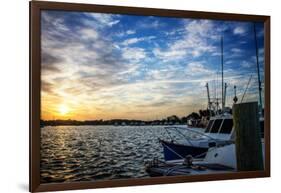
(104,19)
(55,22)
(85,56)
(46,87)
(175,32)
(154,24)
(169,55)
(193,43)
(89,33)
(247,64)
(136,40)
(167,74)
(130,32)
(197,68)
(49,59)
(133,53)
(239,30)
(199,28)
(50,62)
(236,50)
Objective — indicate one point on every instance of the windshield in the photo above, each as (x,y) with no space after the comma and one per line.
(209,126)
(227,126)
(216,126)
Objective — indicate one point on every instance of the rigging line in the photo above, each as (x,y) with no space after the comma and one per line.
(197,132)
(184,136)
(246,88)
(168,133)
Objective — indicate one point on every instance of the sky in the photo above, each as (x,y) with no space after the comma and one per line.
(110,66)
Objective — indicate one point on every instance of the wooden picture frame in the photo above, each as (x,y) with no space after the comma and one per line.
(35,87)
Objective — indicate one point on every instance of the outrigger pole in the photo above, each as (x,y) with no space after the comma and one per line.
(258,67)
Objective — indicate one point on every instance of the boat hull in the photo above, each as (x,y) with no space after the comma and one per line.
(173,151)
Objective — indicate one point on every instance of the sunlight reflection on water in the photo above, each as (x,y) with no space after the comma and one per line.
(87,153)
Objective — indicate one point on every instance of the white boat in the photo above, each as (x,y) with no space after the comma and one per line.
(217,160)
(219,131)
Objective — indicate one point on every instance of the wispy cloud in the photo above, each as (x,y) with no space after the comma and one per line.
(239,30)
(104,19)
(130,41)
(197,68)
(134,54)
(193,42)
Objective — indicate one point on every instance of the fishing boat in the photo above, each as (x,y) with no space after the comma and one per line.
(219,131)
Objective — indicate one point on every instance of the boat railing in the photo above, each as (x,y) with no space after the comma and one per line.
(189,139)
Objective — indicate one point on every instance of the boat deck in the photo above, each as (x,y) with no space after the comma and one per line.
(175,169)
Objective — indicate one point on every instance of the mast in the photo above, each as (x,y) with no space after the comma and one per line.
(225,86)
(209,100)
(235,99)
(222,93)
(258,68)
(208,94)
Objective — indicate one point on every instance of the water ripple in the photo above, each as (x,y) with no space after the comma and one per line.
(89,153)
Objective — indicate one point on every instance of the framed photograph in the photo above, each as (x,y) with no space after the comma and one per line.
(123,96)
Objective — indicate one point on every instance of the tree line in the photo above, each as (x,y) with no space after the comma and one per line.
(170,120)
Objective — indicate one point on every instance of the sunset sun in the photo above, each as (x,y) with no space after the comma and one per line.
(63,109)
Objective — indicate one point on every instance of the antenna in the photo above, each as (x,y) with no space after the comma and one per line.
(258,67)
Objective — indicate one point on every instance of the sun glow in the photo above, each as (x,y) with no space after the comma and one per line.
(63,109)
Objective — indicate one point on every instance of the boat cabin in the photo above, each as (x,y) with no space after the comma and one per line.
(221,127)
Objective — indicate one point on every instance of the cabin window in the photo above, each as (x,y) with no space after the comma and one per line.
(226,126)
(209,126)
(262,128)
(216,126)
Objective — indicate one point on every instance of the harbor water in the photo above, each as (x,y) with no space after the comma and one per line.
(90,153)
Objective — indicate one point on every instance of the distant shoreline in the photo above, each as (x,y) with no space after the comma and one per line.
(115,125)
(110,122)
(170,120)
